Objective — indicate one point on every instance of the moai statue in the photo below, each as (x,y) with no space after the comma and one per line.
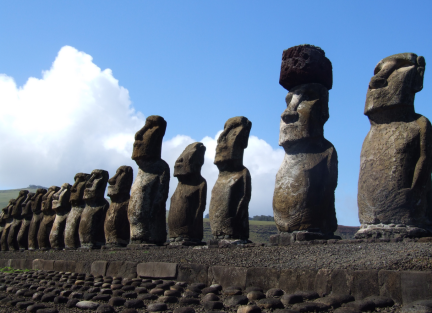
(27,215)
(117,230)
(7,219)
(47,220)
(303,199)
(61,207)
(91,227)
(37,200)
(147,204)
(229,204)
(185,219)
(73,219)
(394,189)
(17,220)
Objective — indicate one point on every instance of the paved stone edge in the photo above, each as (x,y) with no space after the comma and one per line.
(402,286)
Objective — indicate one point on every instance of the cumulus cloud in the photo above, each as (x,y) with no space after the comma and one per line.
(74,119)
(77,118)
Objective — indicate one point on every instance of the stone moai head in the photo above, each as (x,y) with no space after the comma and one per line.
(77,190)
(120,184)
(27,204)
(61,198)
(17,208)
(305,64)
(8,209)
(148,140)
(189,163)
(37,200)
(232,142)
(305,115)
(396,80)
(96,185)
(48,198)
(307,74)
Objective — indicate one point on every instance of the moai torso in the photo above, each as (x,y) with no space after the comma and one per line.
(39,198)
(229,205)
(303,198)
(91,227)
(7,219)
(395,162)
(47,220)
(17,220)
(117,230)
(185,219)
(27,215)
(147,204)
(73,219)
(61,207)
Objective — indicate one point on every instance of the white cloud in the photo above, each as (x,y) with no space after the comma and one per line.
(77,118)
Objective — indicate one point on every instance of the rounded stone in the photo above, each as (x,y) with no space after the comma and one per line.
(130,295)
(190,294)
(172,293)
(252,288)
(255,295)
(147,296)
(157,291)
(72,303)
(274,292)
(140,290)
(128,288)
(291,299)
(168,299)
(184,310)
(207,290)
(270,303)
(189,301)
(60,299)
(87,305)
(213,305)
(135,304)
(210,297)
(157,307)
(248,309)
(116,301)
(105,308)
(33,308)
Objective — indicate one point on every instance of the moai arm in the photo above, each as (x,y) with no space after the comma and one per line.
(247,190)
(203,198)
(424,163)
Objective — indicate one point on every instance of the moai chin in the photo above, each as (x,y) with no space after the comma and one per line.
(73,219)
(61,207)
(37,199)
(27,215)
(229,204)
(303,199)
(7,219)
(17,220)
(117,230)
(91,227)
(185,219)
(394,188)
(147,204)
(48,219)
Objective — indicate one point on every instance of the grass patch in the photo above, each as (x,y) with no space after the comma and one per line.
(11,270)
(6,195)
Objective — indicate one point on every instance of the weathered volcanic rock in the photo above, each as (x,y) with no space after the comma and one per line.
(71,235)
(17,220)
(147,204)
(38,198)
(305,64)
(305,183)
(229,205)
(91,227)
(27,215)
(185,219)
(117,231)
(395,163)
(47,220)
(7,222)
(61,207)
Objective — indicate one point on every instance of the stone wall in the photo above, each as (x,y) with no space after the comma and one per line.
(401,286)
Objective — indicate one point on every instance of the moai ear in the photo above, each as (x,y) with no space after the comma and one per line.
(418,82)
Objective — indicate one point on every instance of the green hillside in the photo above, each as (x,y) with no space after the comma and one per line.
(6,195)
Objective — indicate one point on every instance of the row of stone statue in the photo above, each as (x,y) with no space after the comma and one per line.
(394,193)
(394,189)
(79,216)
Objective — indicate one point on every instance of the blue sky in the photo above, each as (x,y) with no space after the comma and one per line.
(199,63)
